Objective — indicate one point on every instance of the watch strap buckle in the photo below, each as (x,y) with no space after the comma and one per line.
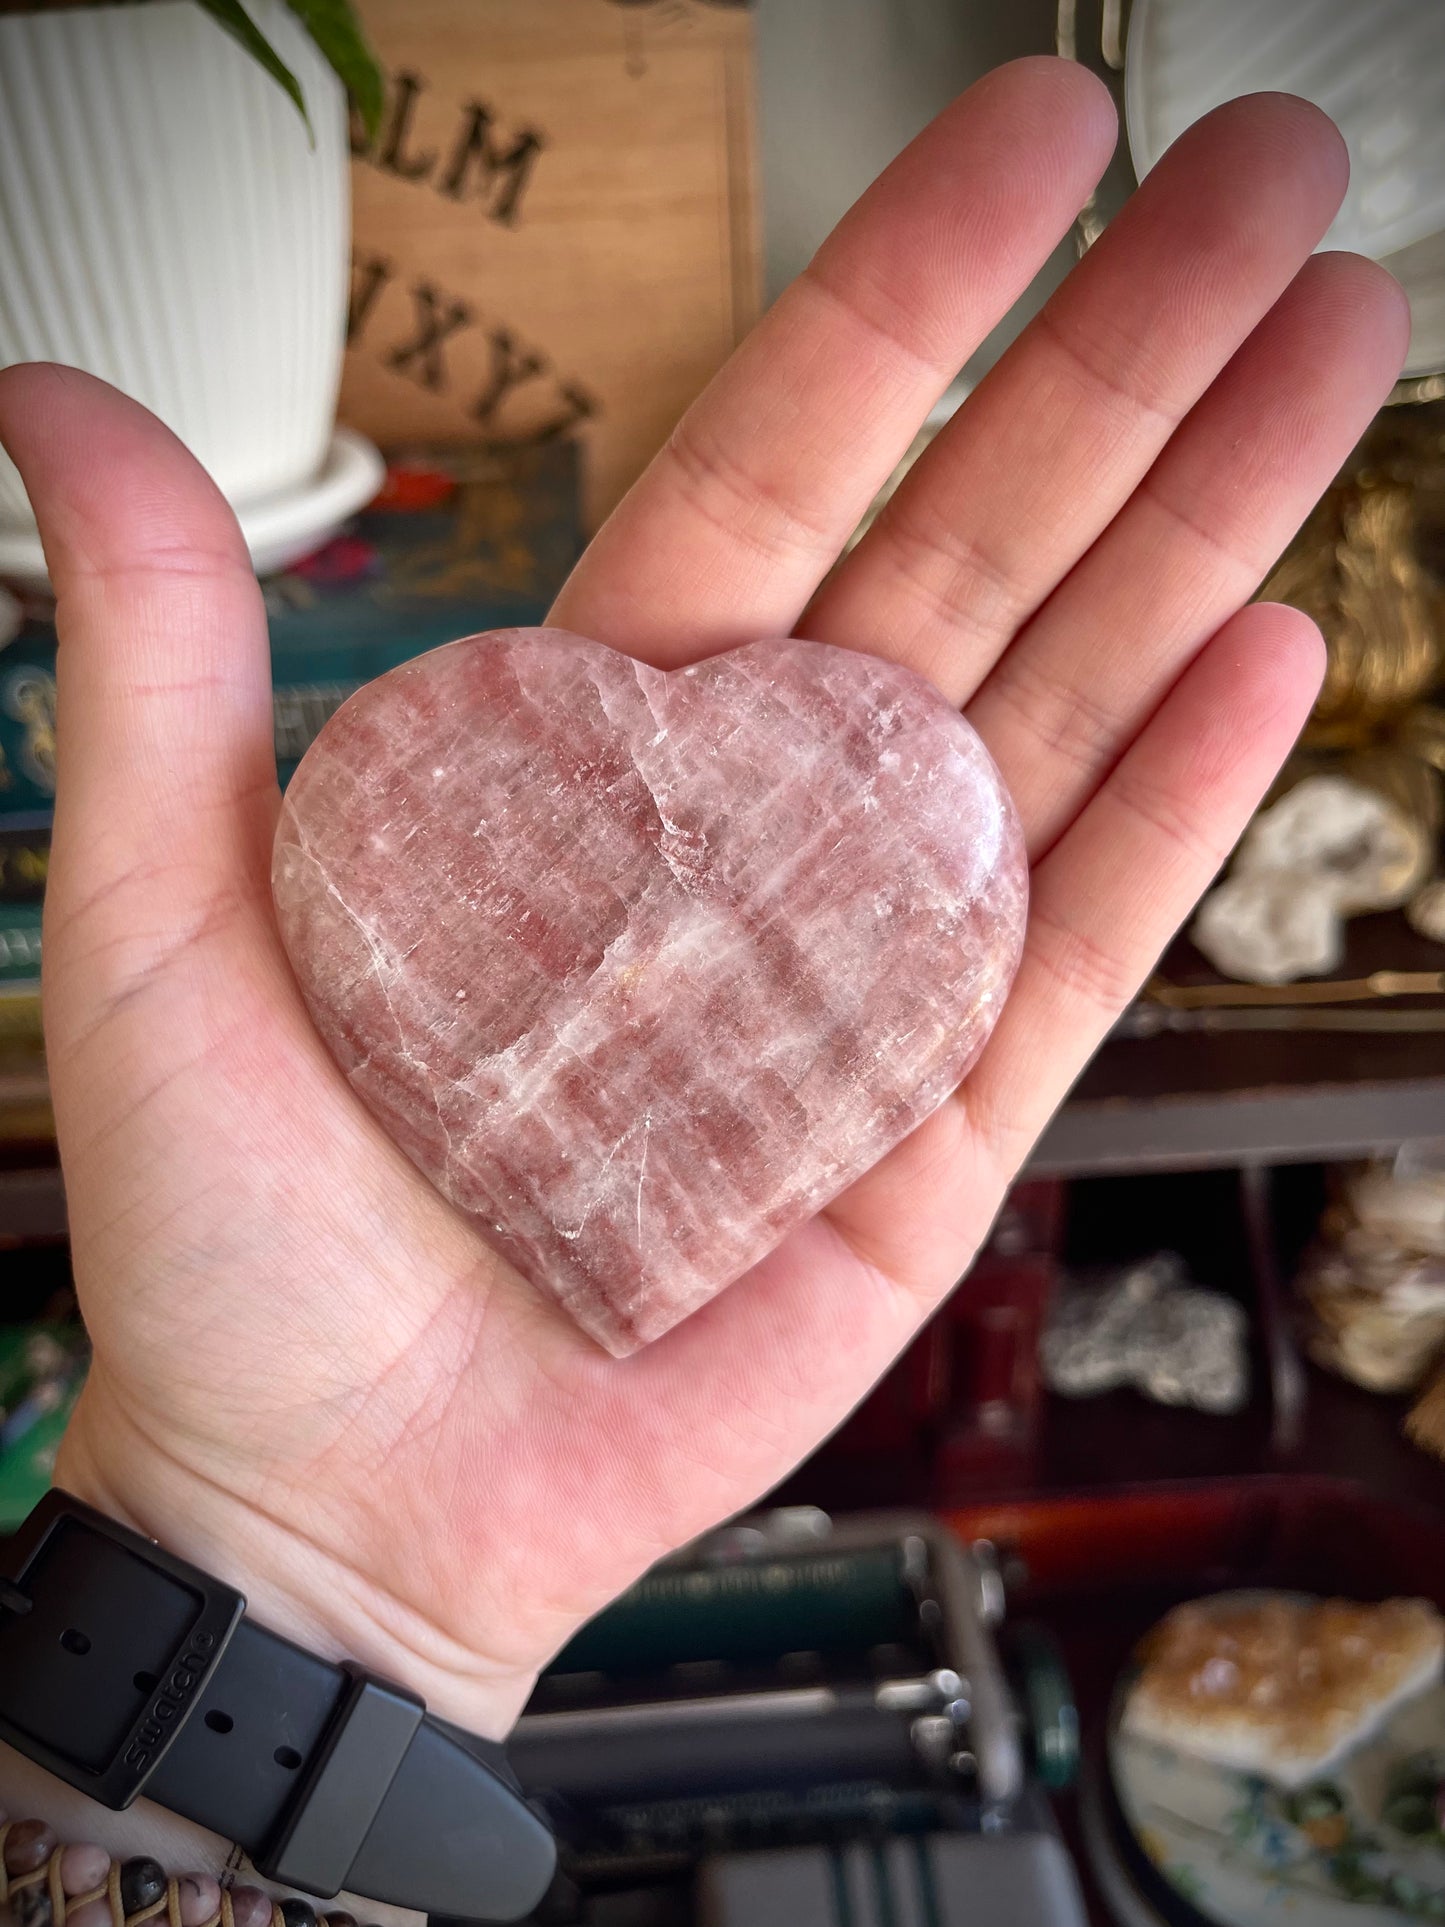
(111,1652)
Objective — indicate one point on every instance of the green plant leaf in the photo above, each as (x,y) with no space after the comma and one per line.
(234,19)
(333,25)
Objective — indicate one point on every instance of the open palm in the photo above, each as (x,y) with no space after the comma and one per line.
(309,1371)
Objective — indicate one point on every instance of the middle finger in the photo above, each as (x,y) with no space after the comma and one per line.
(1053,442)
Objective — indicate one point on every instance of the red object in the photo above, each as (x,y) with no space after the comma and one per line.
(415,488)
(346,558)
(967,1391)
(990,1437)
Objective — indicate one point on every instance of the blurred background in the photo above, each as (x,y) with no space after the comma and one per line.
(424,337)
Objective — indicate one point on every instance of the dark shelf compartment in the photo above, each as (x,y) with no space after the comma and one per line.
(1088,1443)
(32,1197)
(1240,1231)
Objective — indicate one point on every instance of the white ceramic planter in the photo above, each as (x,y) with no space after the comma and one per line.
(165,223)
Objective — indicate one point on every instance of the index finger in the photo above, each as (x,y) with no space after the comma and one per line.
(747,507)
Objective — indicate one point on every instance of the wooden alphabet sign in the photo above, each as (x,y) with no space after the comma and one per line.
(554,229)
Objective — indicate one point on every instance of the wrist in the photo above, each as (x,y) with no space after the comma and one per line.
(330,1778)
(293,1583)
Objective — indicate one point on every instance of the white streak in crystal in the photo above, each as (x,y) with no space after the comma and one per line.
(642,1172)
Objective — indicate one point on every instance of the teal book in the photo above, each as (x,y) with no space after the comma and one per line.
(458,541)
(454,544)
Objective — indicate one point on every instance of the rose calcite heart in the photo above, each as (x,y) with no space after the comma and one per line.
(643,968)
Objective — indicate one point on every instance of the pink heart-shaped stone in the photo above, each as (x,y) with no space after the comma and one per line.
(643,968)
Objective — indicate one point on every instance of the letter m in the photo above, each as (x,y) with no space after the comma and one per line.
(500,173)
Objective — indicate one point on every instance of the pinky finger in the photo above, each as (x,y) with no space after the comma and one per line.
(1112,892)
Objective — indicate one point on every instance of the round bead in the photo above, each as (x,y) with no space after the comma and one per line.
(250,1907)
(30,1906)
(198,1897)
(28,1846)
(298,1913)
(142,1882)
(94,1913)
(339,1918)
(83,1867)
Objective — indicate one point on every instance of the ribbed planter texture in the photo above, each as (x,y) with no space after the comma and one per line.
(165,222)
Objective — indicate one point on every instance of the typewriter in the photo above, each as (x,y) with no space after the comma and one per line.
(807,1720)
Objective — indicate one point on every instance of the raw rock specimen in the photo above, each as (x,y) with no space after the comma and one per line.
(1281,1686)
(1374,1281)
(1331,848)
(1150,1328)
(643,968)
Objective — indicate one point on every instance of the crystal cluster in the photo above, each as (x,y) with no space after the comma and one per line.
(642,968)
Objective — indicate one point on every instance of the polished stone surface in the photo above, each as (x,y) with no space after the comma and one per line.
(642,969)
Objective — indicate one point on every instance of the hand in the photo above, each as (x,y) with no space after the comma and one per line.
(309,1373)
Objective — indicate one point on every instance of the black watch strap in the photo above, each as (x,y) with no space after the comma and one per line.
(126,1671)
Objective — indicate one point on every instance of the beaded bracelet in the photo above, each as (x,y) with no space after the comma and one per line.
(45,1883)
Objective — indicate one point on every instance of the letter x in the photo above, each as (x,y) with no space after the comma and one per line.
(437,318)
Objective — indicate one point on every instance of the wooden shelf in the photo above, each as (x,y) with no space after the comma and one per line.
(1175,1102)
(1166,1129)
(1192,1100)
